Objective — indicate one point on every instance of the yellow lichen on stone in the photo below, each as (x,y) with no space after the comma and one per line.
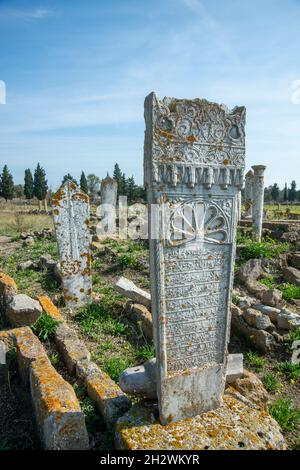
(237,424)
(29,349)
(49,307)
(7,285)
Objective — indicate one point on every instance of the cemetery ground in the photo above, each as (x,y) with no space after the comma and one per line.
(116,343)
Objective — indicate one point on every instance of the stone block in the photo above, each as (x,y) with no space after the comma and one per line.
(287,320)
(294,260)
(292,275)
(140,429)
(22,310)
(70,347)
(59,418)
(272,312)
(139,314)
(256,319)
(8,288)
(250,271)
(49,308)
(129,289)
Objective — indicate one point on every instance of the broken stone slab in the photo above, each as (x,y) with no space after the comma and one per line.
(291,275)
(260,339)
(27,265)
(129,289)
(256,288)
(140,429)
(142,380)
(70,347)
(109,399)
(257,319)
(58,414)
(272,297)
(251,387)
(140,315)
(22,310)
(250,271)
(49,308)
(288,320)
(272,312)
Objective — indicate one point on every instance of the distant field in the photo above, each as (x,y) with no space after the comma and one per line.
(282,208)
(13,224)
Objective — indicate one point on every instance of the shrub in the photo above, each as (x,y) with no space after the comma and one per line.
(45,327)
(286,415)
(266,249)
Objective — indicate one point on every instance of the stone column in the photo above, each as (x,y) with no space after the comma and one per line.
(107,212)
(194,156)
(249,193)
(258,200)
(71,214)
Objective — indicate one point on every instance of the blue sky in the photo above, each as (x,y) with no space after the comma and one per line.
(77,73)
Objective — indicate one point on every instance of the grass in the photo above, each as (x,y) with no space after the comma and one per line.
(146,352)
(267,249)
(92,419)
(271,383)
(45,327)
(235,299)
(12,223)
(286,415)
(255,361)
(289,291)
(115,366)
(289,369)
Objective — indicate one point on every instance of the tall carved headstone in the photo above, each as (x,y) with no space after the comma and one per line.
(71,214)
(107,209)
(249,193)
(194,163)
(258,200)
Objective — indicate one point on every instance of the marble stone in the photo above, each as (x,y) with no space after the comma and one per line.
(194,156)
(107,226)
(248,199)
(71,214)
(258,200)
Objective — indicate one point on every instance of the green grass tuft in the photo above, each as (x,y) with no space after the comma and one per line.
(45,327)
(286,415)
(255,361)
(271,383)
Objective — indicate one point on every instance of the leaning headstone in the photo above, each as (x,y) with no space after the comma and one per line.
(71,214)
(107,210)
(194,165)
(249,193)
(258,200)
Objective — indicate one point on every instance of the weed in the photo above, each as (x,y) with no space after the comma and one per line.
(115,366)
(127,260)
(289,291)
(92,419)
(266,249)
(271,383)
(286,415)
(255,361)
(54,359)
(45,327)
(289,369)
(146,352)
(235,299)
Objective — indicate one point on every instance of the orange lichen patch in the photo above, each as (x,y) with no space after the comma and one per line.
(237,424)
(8,338)
(191,138)
(56,212)
(49,307)
(7,285)
(29,349)
(226,162)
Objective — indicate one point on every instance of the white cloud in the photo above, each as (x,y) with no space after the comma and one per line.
(36,14)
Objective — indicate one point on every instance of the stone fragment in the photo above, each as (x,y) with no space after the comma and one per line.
(290,237)
(272,297)
(235,369)
(107,226)
(252,388)
(139,314)
(292,275)
(8,288)
(257,289)
(237,424)
(110,401)
(49,308)
(46,262)
(287,320)
(272,312)
(22,310)
(27,265)
(29,241)
(257,319)
(196,184)
(71,214)
(70,347)
(250,271)
(58,414)
(129,289)
(260,339)
(294,260)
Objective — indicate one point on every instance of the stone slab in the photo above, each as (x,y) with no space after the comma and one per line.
(237,424)
(129,289)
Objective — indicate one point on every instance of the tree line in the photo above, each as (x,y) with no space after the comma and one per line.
(36,185)
(288,194)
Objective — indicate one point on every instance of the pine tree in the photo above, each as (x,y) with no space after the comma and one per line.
(83,183)
(275,192)
(6,184)
(293,191)
(28,186)
(68,177)
(40,186)
(131,189)
(285,193)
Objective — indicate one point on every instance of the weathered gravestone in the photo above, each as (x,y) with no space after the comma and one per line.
(194,163)
(107,210)
(258,200)
(71,214)
(249,193)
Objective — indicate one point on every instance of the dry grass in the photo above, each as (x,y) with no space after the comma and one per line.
(13,223)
